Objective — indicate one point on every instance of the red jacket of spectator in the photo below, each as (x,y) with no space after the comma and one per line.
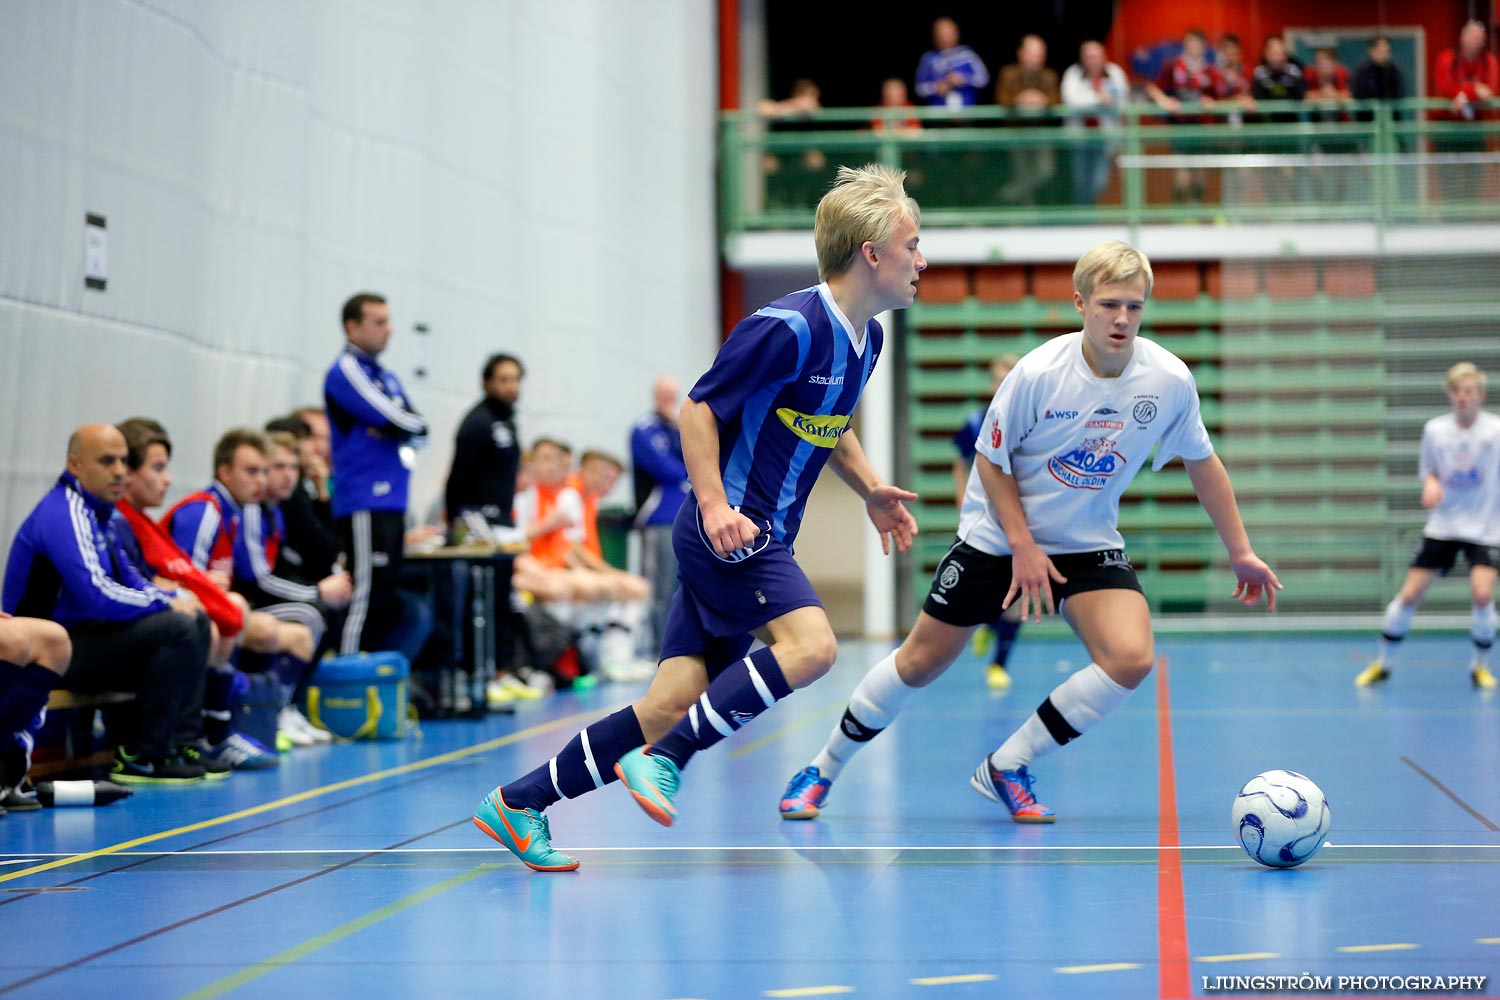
(1456,75)
(1181,81)
(1315,80)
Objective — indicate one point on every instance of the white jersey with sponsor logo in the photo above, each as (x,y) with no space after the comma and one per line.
(1466,460)
(1074,441)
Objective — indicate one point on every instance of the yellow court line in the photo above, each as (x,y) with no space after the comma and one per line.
(777,734)
(809,991)
(313,793)
(1244,957)
(283,958)
(1110,967)
(975,977)
(1487,940)
(1378,947)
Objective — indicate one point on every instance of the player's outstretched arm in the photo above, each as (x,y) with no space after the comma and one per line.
(1031,572)
(727,528)
(1252,576)
(885,504)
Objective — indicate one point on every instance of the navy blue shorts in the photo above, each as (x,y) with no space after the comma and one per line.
(720,601)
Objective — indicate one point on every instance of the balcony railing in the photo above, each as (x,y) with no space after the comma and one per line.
(1383,162)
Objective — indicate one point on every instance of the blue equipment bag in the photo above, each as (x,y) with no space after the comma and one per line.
(361,696)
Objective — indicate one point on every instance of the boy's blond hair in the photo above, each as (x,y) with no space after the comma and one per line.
(281,439)
(1108,263)
(1463,370)
(865,205)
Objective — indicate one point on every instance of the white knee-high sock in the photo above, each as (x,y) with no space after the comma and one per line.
(1397,623)
(1482,631)
(872,707)
(1073,708)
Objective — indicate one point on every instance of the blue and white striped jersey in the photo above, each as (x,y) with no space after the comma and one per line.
(66,563)
(369,419)
(783,387)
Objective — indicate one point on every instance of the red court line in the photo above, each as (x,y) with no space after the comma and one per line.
(1174,975)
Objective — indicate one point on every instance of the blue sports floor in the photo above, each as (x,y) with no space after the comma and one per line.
(354,869)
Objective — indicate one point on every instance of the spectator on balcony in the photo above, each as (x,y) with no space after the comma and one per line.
(1028,88)
(1277,78)
(1469,74)
(1377,77)
(893,94)
(1328,91)
(1097,89)
(793,179)
(1327,82)
(1229,56)
(1028,84)
(1188,79)
(950,75)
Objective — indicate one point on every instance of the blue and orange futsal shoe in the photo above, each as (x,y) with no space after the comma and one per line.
(651,781)
(1012,789)
(523,832)
(805,794)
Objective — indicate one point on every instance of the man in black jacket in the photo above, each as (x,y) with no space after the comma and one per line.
(482,479)
(487,450)
(1377,77)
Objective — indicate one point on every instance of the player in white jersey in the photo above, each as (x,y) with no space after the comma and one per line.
(1460,470)
(1063,437)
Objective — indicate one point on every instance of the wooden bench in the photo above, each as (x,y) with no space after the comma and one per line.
(51,760)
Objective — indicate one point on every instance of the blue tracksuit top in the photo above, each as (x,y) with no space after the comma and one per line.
(661,479)
(67,564)
(369,419)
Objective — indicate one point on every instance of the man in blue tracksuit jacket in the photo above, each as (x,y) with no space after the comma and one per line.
(128,635)
(661,484)
(371,422)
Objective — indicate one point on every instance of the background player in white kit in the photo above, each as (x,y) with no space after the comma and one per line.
(1063,437)
(1460,470)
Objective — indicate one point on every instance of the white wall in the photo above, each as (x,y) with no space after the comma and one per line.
(522,176)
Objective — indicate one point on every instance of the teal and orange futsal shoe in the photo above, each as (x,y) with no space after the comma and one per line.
(651,781)
(805,794)
(1012,789)
(523,832)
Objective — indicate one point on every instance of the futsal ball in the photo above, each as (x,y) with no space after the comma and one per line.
(1281,818)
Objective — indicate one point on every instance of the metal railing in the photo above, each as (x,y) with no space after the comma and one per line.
(1385,162)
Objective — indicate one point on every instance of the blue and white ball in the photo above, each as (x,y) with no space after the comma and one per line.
(1281,818)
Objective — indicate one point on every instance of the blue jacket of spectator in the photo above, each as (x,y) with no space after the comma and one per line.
(960,59)
(67,563)
(369,420)
(661,479)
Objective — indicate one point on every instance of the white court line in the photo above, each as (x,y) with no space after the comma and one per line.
(759,849)
(29,860)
